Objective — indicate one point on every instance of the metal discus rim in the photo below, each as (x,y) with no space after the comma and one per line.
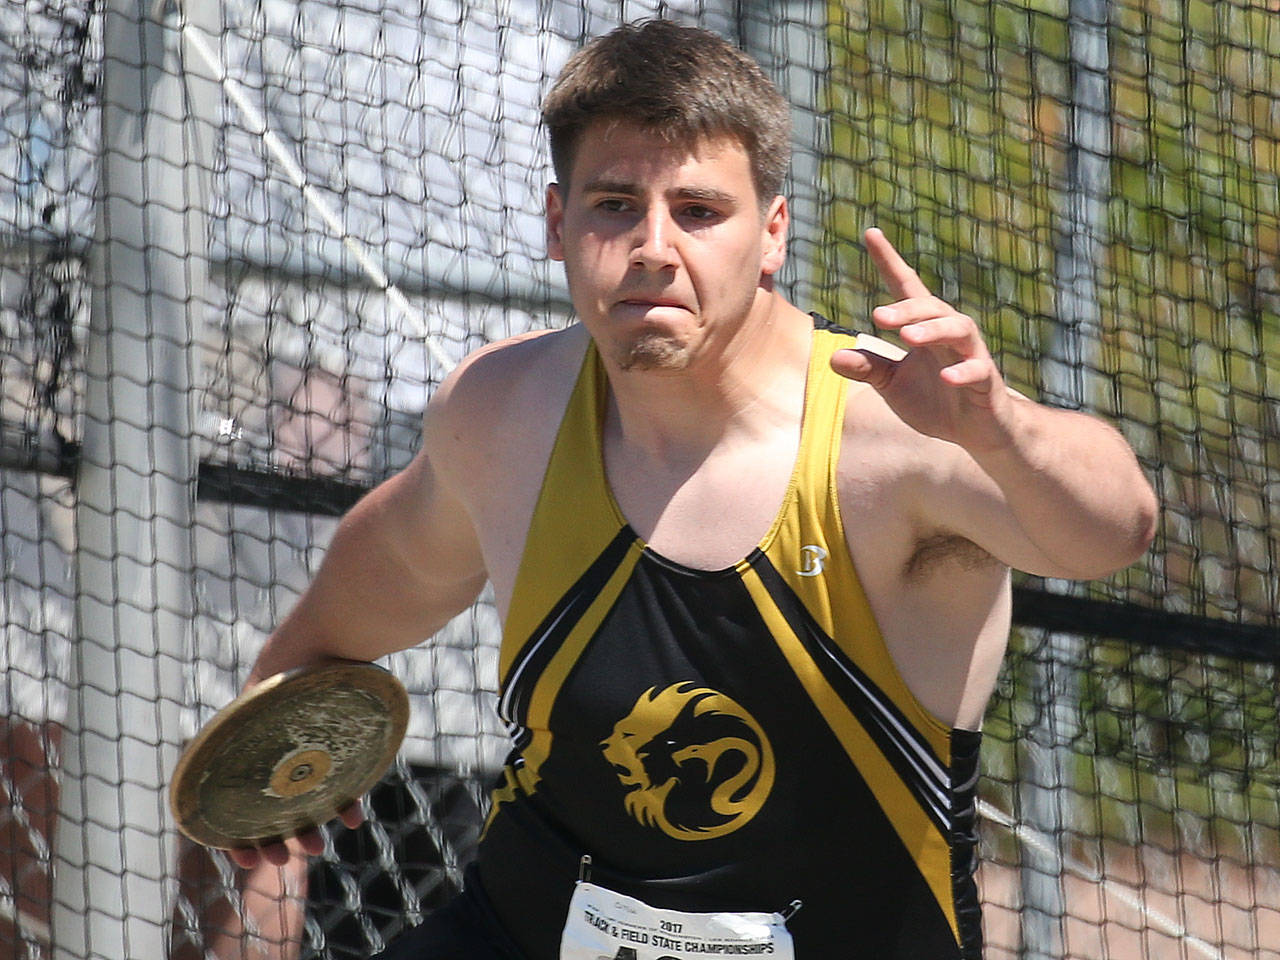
(289,754)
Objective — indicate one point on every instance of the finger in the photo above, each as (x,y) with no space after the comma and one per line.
(893,316)
(276,854)
(353,815)
(246,858)
(974,373)
(902,281)
(864,366)
(956,332)
(309,843)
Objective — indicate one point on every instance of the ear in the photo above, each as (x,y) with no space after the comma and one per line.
(773,239)
(555,222)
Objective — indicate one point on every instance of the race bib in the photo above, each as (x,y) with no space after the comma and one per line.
(603,925)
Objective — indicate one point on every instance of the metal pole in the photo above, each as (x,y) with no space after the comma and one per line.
(1067,367)
(1072,352)
(789,39)
(114,850)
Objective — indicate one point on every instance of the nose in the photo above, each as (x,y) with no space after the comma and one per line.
(655,233)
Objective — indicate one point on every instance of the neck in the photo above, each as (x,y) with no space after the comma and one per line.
(748,384)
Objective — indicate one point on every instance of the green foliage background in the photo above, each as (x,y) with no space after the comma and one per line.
(950,130)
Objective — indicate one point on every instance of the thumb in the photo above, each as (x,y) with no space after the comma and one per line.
(864,366)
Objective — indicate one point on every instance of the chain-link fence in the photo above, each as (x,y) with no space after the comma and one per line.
(240,243)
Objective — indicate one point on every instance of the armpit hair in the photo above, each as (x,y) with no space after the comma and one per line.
(941,549)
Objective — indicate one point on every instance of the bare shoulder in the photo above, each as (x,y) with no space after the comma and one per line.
(486,376)
(489,431)
(501,387)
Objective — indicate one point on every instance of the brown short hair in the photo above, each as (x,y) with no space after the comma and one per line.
(684,83)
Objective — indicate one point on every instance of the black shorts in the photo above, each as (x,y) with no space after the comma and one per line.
(466,928)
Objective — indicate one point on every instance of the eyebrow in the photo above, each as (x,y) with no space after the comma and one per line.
(706,194)
(604,185)
(631,189)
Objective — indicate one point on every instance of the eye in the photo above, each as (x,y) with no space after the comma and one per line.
(612,205)
(700,213)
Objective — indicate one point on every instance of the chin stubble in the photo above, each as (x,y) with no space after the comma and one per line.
(652,352)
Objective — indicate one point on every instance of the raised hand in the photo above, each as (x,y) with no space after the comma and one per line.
(947,386)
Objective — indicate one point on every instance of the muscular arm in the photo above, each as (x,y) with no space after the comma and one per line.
(402,562)
(409,555)
(1079,504)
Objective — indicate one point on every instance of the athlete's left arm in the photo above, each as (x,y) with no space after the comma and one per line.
(1049,491)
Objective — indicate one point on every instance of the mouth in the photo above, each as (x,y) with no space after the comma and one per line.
(652,303)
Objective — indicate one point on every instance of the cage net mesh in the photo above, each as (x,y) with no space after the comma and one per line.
(239,246)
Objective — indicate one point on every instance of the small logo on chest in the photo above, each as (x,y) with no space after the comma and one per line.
(812,558)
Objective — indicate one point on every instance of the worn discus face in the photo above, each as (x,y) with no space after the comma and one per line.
(289,754)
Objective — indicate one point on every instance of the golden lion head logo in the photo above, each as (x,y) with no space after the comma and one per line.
(696,765)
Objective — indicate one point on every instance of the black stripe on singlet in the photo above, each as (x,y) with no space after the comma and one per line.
(965,749)
(822,323)
(911,755)
(551,632)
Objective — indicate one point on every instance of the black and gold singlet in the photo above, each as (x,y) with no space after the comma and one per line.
(722,740)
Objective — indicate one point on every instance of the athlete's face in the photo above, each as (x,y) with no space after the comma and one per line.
(666,246)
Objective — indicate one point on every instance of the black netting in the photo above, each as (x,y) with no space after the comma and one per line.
(241,243)
(1098,182)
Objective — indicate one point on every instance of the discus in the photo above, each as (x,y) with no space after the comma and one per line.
(289,754)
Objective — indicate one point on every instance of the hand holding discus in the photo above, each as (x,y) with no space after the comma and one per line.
(286,756)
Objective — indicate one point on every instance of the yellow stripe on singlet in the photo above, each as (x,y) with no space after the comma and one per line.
(545,691)
(568,531)
(524,777)
(920,837)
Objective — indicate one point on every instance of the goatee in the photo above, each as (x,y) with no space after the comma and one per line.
(652,351)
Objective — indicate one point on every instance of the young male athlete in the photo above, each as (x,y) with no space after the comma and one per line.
(753,572)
